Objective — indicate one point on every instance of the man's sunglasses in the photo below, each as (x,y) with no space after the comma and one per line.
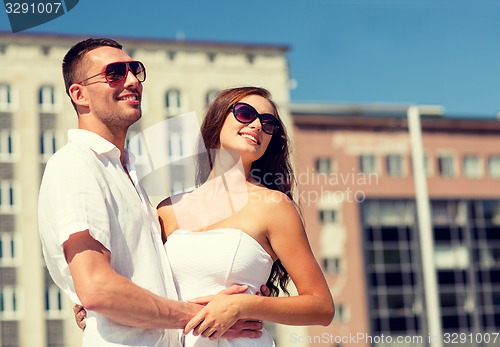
(245,113)
(117,72)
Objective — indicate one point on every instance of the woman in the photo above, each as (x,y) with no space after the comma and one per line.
(242,226)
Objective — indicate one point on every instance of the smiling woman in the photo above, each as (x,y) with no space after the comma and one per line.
(237,227)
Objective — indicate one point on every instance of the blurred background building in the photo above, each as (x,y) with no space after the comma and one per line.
(356,189)
(354,168)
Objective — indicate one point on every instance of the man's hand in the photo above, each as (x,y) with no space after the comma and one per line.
(264,291)
(80,315)
(244,328)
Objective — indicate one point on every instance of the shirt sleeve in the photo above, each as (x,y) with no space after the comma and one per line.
(74,199)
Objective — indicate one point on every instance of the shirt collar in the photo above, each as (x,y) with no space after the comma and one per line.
(95,142)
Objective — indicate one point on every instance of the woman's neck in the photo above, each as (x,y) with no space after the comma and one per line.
(229,162)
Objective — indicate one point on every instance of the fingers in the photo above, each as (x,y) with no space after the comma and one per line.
(252,334)
(205,328)
(235,289)
(80,315)
(247,325)
(264,290)
(77,308)
(244,328)
(203,300)
(193,323)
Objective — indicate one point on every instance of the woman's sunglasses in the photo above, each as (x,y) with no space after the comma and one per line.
(244,113)
(117,72)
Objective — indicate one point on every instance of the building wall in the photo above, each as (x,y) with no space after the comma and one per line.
(343,188)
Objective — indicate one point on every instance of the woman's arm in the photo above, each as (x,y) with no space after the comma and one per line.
(314,303)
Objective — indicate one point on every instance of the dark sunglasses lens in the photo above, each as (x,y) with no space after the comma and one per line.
(244,114)
(116,72)
(270,124)
(270,128)
(138,70)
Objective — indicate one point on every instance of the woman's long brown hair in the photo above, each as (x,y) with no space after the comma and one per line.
(273,169)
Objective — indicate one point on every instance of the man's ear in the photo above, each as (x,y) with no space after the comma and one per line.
(77,94)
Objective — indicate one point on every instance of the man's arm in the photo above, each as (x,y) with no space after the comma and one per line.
(101,289)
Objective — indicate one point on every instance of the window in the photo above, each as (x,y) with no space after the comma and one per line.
(135,144)
(5,97)
(8,144)
(394,165)
(332,265)
(367,163)
(451,257)
(428,167)
(10,249)
(327,216)
(9,302)
(472,166)
(177,187)
(8,196)
(174,102)
(9,333)
(49,144)
(54,302)
(55,333)
(342,313)
(47,99)
(494,166)
(175,148)
(324,165)
(446,165)
(179,176)
(210,96)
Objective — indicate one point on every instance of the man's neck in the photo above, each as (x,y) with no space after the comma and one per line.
(115,136)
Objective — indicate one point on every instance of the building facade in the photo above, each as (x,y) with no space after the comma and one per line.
(35,115)
(356,186)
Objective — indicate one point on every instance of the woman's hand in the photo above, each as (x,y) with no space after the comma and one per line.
(221,312)
(80,315)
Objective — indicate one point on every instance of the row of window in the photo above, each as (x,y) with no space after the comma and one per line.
(47,99)
(50,141)
(447,165)
(394,267)
(177,144)
(176,102)
(11,302)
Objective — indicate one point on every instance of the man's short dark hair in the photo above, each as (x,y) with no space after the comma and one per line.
(72,59)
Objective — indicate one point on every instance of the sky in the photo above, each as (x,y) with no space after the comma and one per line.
(439,52)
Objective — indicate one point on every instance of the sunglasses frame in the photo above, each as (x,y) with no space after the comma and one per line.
(276,122)
(127,69)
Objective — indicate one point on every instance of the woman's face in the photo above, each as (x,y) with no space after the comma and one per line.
(247,139)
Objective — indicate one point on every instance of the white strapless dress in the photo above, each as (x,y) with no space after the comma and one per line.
(204,263)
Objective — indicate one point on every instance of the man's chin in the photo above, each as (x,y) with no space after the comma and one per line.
(135,116)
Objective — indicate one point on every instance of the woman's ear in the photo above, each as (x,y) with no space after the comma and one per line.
(77,93)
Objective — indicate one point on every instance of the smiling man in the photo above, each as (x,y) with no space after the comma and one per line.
(100,235)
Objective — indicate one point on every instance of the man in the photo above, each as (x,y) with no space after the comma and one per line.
(100,235)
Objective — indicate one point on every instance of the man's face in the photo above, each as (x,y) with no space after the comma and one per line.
(116,105)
